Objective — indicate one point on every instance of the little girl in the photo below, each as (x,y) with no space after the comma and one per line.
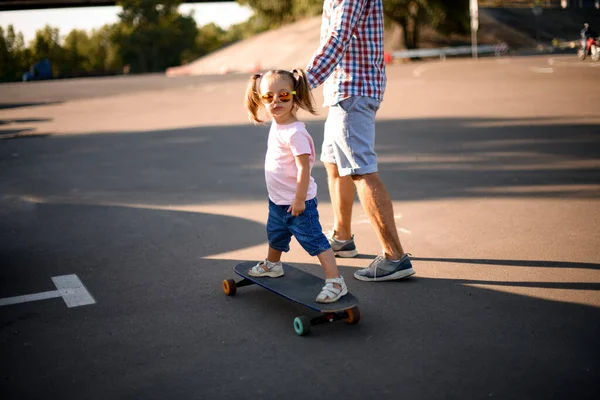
(292,190)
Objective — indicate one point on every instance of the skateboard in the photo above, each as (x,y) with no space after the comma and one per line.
(300,287)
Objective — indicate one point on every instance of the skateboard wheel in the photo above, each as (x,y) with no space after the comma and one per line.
(353,315)
(302,325)
(229,287)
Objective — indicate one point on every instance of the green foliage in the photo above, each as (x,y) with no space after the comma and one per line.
(244,30)
(89,54)
(46,44)
(152,35)
(80,53)
(14,56)
(453,17)
(75,50)
(274,13)
(103,55)
(211,37)
(412,15)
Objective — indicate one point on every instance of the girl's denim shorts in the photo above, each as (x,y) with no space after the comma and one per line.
(281,225)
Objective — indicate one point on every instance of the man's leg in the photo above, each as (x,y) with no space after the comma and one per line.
(378,206)
(341,192)
(349,143)
(394,263)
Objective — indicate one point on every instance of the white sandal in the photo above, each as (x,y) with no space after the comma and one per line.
(330,293)
(267,268)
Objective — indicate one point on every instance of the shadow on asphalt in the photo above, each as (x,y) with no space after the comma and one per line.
(163,329)
(9,105)
(23,131)
(24,121)
(424,159)
(513,263)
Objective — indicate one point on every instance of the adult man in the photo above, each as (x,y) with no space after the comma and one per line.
(350,62)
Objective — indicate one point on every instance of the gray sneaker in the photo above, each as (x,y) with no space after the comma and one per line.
(345,249)
(382,269)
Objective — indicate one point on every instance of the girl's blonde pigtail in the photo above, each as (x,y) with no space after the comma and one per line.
(252,101)
(304,98)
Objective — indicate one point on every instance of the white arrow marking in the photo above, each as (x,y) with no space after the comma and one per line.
(542,70)
(70,288)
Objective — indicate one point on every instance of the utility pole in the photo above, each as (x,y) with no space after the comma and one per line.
(474,26)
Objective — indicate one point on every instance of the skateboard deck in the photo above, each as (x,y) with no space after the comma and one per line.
(301,287)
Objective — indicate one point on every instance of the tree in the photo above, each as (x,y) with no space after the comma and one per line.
(6,59)
(92,54)
(15,58)
(411,15)
(278,12)
(455,17)
(104,53)
(210,38)
(77,49)
(275,12)
(152,35)
(46,45)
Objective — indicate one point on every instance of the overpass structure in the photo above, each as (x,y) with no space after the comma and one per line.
(13,5)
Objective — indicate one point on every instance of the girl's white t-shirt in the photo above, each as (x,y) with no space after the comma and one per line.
(281,173)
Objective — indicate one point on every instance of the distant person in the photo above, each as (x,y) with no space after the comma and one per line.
(292,190)
(350,62)
(587,33)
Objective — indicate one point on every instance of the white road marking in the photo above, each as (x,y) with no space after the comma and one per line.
(542,70)
(402,230)
(29,297)
(73,291)
(366,221)
(574,63)
(420,69)
(70,288)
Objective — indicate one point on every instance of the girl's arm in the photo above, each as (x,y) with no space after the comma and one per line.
(302,181)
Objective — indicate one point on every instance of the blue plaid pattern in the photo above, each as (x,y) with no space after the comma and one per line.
(349,59)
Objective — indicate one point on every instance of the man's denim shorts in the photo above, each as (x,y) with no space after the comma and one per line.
(281,225)
(349,138)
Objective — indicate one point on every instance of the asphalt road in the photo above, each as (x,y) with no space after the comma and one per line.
(13,95)
(150,190)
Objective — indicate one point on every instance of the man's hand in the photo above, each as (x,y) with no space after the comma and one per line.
(297,207)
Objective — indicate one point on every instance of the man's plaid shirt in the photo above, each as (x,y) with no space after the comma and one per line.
(350,57)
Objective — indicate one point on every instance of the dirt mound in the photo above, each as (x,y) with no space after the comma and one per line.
(288,47)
